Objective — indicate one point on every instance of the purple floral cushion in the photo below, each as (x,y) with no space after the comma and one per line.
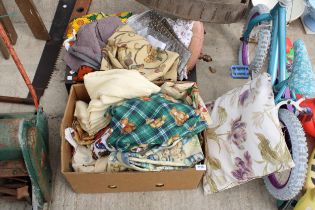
(245,140)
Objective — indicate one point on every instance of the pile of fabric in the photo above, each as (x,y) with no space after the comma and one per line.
(159,48)
(132,124)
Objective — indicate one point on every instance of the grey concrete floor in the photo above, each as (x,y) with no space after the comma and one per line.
(222,42)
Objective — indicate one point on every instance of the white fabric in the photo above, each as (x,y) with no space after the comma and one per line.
(107,88)
(183,29)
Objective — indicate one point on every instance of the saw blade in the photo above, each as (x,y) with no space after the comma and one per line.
(52,47)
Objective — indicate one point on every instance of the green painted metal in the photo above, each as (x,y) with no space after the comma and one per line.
(25,136)
(9,143)
(33,137)
(9,140)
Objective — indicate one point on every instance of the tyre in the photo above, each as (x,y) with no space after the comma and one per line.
(263,37)
(295,138)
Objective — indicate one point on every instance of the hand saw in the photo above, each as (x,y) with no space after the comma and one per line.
(66,11)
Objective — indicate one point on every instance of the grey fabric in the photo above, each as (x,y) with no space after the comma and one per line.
(91,38)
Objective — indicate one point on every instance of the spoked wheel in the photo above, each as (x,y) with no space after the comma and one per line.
(258,43)
(286,185)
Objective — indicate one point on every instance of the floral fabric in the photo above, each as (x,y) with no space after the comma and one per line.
(141,123)
(245,140)
(180,154)
(189,93)
(128,50)
(183,29)
(78,22)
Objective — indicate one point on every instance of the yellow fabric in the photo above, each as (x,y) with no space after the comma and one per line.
(127,50)
(76,24)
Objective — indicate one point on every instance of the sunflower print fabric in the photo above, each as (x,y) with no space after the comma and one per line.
(78,22)
(139,124)
(245,140)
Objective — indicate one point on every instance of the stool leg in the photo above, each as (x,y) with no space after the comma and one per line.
(7,24)
(33,19)
(4,50)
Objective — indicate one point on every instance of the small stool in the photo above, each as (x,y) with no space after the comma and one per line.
(33,19)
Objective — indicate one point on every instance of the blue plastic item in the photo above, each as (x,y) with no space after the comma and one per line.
(239,72)
(309,19)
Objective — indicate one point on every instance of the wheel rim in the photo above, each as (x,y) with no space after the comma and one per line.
(245,47)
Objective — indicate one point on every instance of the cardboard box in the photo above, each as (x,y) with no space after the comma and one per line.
(120,181)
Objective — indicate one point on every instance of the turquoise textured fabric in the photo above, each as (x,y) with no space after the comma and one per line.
(302,79)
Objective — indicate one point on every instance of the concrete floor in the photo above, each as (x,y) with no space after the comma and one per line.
(222,42)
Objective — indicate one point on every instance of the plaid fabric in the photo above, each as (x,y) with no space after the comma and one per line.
(141,123)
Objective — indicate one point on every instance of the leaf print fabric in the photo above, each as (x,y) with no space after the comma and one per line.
(176,155)
(245,140)
(128,50)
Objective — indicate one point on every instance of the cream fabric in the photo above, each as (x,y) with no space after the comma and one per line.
(107,88)
(245,140)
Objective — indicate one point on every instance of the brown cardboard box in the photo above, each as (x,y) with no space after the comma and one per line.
(120,181)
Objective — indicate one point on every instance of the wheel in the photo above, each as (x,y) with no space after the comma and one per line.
(262,33)
(290,187)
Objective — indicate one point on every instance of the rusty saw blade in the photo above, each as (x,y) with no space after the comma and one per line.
(66,11)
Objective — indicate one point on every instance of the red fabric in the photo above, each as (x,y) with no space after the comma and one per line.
(83,70)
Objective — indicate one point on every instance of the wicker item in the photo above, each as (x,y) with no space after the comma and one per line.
(214,11)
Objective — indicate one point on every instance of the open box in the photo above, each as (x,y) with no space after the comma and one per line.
(132,181)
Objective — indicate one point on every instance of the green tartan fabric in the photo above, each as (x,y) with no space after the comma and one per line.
(142,123)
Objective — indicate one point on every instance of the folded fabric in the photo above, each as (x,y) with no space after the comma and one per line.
(91,38)
(82,160)
(83,116)
(107,88)
(152,24)
(76,24)
(141,123)
(80,136)
(180,154)
(128,50)
(100,147)
(83,70)
(189,93)
(245,140)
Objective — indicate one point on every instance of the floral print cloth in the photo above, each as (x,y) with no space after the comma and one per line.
(180,154)
(141,123)
(128,50)
(74,26)
(189,93)
(245,140)
(183,29)
(302,79)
